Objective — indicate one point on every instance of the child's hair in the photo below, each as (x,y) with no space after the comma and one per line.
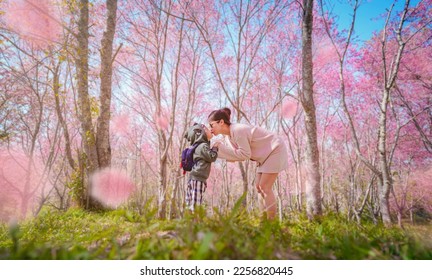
(221,114)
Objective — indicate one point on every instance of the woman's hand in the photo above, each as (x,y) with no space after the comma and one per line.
(216,141)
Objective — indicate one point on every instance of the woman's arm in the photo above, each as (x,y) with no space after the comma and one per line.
(240,149)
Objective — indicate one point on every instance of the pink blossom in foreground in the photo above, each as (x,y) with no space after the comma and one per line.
(21,184)
(162,121)
(111,187)
(289,109)
(38,21)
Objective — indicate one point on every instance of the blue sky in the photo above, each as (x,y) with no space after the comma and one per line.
(368,17)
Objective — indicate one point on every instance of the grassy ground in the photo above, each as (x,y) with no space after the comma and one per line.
(121,234)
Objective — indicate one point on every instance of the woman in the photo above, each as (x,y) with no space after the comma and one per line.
(254,143)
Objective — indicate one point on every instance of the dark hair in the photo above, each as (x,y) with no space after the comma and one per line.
(221,114)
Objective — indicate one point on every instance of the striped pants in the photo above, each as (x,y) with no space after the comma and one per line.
(194,193)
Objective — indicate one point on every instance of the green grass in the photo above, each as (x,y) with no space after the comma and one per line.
(122,234)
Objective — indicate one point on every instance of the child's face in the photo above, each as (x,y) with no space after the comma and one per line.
(207,132)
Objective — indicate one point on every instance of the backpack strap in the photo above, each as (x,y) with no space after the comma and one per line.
(194,146)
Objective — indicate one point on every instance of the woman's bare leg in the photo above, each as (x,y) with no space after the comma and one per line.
(261,203)
(264,186)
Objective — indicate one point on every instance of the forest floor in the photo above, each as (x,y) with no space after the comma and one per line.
(124,234)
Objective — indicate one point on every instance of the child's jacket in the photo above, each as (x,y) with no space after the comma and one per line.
(203,155)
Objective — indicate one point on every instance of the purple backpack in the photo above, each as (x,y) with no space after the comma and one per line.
(187,161)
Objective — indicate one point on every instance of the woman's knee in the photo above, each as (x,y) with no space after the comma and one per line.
(264,190)
(259,189)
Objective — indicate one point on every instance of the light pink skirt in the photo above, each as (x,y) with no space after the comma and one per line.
(277,161)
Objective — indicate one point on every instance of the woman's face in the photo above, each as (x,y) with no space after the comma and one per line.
(215,127)
(207,132)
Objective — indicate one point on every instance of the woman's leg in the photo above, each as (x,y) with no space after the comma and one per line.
(264,186)
(261,203)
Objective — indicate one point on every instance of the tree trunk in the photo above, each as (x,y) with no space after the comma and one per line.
(56,89)
(386,181)
(87,131)
(103,136)
(313,191)
(162,202)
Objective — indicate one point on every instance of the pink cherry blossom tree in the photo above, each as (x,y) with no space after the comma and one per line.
(391,51)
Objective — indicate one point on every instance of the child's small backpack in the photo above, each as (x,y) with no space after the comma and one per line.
(187,161)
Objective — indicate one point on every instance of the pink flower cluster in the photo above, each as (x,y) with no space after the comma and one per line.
(21,184)
(111,187)
(37,21)
(289,109)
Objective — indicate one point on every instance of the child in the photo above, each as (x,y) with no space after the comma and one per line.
(203,156)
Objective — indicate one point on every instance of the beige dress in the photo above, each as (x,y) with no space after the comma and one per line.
(255,143)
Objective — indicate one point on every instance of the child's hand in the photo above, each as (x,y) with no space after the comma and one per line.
(216,141)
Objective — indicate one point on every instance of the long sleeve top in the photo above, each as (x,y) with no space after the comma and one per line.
(249,142)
